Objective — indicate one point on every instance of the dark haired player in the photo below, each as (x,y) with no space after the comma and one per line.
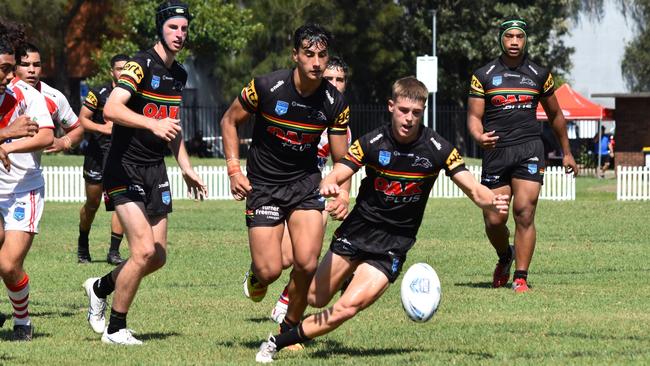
(292,108)
(26,129)
(501,117)
(402,160)
(99,141)
(144,108)
(336,72)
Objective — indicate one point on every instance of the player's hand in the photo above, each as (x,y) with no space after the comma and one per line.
(57,145)
(107,128)
(196,189)
(569,164)
(4,158)
(240,186)
(487,140)
(338,208)
(21,127)
(166,128)
(329,189)
(500,203)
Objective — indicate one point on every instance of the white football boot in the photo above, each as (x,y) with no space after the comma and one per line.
(267,350)
(122,337)
(96,307)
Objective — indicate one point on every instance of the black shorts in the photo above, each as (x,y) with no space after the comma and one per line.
(522,161)
(381,249)
(138,183)
(94,164)
(269,205)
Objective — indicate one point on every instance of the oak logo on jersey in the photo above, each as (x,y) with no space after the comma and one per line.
(454,160)
(399,192)
(133,70)
(549,83)
(152,110)
(292,138)
(511,99)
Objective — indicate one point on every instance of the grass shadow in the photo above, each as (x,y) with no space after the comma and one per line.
(330,348)
(474,284)
(156,335)
(7,335)
(262,319)
(47,314)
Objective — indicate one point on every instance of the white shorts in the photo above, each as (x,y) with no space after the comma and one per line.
(22,211)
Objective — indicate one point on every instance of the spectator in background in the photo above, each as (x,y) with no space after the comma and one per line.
(603,147)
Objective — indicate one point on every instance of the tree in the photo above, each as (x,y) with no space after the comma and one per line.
(218,29)
(636,60)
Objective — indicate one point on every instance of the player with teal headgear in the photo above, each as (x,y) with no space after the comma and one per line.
(512,24)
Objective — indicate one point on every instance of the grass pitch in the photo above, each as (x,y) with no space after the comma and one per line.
(589,303)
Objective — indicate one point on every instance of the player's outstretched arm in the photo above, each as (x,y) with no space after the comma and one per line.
(67,141)
(116,110)
(475,110)
(558,123)
(481,195)
(330,186)
(235,116)
(195,186)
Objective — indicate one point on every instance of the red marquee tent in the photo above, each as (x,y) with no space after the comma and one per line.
(576,107)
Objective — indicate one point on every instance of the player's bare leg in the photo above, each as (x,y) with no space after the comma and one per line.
(499,236)
(332,271)
(266,255)
(117,233)
(526,194)
(280,308)
(13,250)
(86,218)
(306,231)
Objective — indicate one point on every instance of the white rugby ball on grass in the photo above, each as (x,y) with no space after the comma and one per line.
(420,292)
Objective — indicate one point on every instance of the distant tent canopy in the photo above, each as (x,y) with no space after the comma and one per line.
(576,107)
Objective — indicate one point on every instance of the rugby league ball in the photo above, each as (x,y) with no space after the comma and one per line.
(420,292)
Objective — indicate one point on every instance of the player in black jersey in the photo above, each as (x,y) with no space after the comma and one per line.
(402,162)
(501,117)
(144,108)
(99,141)
(292,108)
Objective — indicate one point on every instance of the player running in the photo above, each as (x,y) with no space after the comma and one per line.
(99,141)
(144,108)
(21,180)
(336,72)
(501,117)
(292,108)
(402,160)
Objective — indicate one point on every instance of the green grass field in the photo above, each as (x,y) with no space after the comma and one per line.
(589,304)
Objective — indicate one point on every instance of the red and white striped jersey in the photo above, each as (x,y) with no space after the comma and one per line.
(25,173)
(324,148)
(57,105)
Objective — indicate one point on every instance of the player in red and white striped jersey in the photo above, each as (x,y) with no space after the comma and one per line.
(28,69)
(21,181)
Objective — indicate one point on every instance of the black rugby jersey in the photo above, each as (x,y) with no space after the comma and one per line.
(288,126)
(511,97)
(156,93)
(95,101)
(399,177)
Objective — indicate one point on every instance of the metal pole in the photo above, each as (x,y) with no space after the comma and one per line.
(433,45)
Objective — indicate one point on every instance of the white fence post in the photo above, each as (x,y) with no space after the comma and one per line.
(632,183)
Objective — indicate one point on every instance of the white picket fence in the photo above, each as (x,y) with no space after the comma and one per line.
(66,184)
(633,183)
